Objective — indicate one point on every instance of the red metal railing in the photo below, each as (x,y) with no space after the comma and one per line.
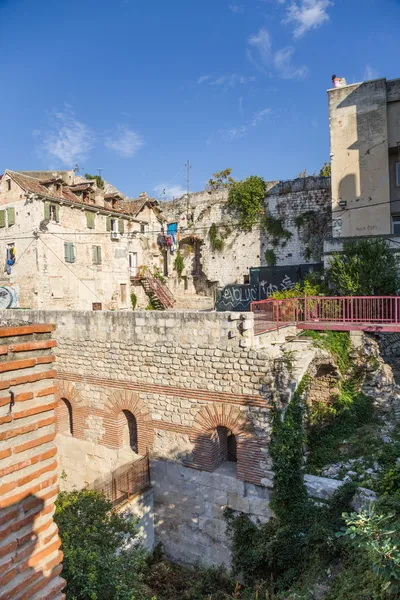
(379,313)
(126,482)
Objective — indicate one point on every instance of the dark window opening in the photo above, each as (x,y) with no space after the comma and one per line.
(67,425)
(9,185)
(224,446)
(246,279)
(130,437)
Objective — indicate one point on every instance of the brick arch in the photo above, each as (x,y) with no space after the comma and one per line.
(67,390)
(208,419)
(114,420)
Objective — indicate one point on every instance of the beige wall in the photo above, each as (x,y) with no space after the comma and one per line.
(46,280)
(359,155)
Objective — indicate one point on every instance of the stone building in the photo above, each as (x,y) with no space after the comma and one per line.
(68,244)
(364,121)
(300,210)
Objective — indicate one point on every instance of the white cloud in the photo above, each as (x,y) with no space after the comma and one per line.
(259,116)
(124,141)
(203,78)
(308,14)
(370,73)
(171,191)
(233,133)
(260,53)
(236,8)
(67,140)
(285,68)
(227,80)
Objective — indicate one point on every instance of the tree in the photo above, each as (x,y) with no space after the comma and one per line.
(364,268)
(246,199)
(220,180)
(101,560)
(99,180)
(325,170)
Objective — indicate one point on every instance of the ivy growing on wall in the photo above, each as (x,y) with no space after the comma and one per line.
(217,236)
(270,257)
(179,264)
(275,228)
(246,200)
(312,228)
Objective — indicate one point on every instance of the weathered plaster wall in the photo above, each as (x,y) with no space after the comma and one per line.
(30,556)
(242,251)
(359,158)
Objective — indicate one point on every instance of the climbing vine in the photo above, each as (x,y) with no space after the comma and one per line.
(312,228)
(217,236)
(246,200)
(270,257)
(275,228)
(179,264)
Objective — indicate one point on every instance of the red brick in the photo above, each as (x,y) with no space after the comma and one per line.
(46,391)
(5,453)
(27,346)
(35,410)
(26,330)
(3,350)
(8,577)
(4,550)
(5,566)
(14,365)
(33,443)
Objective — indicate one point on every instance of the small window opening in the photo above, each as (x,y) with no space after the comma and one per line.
(129,432)
(65,422)
(53,212)
(142,228)
(123,292)
(398,174)
(225,446)
(8,185)
(246,279)
(396,224)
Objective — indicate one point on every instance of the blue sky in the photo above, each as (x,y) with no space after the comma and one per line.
(137,87)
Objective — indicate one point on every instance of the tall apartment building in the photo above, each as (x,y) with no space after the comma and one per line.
(68,244)
(365,156)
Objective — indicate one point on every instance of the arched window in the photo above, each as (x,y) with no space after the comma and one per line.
(129,431)
(224,443)
(64,419)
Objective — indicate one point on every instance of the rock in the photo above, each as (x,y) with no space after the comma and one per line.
(323,488)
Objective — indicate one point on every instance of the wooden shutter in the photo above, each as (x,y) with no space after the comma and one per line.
(99,255)
(11,216)
(108,224)
(47,210)
(66,252)
(121,225)
(90,219)
(2,218)
(69,252)
(57,213)
(72,252)
(94,255)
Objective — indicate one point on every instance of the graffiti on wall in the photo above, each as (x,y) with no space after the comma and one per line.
(9,297)
(264,281)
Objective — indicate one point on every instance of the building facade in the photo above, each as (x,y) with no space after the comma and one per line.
(69,244)
(364,123)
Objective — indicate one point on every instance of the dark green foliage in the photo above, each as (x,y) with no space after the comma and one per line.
(270,258)
(275,228)
(220,181)
(217,237)
(133,300)
(336,342)
(91,533)
(99,180)
(246,200)
(364,268)
(179,264)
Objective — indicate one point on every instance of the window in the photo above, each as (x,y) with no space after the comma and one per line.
(396,225)
(123,292)
(121,226)
(133,262)
(2,218)
(51,212)
(142,228)
(398,173)
(90,219)
(64,417)
(246,279)
(8,185)
(96,255)
(129,432)
(69,252)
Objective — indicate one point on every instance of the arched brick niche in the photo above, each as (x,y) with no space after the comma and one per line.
(127,422)
(211,430)
(70,413)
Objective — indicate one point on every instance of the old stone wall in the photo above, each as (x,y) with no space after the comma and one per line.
(302,205)
(30,556)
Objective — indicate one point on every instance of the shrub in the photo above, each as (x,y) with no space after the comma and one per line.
(246,199)
(98,563)
(133,300)
(179,264)
(364,268)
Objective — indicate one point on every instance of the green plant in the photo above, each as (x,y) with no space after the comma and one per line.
(274,227)
(133,300)
(179,264)
(246,200)
(364,268)
(157,274)
(220,181)
(326,170)
(99,180)
(379,537)
(217,236)
(97,563)
(270,257)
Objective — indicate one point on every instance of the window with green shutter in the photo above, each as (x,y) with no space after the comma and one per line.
(11,216)
(96,253)
(108,224)
(47,211)
(89,219)
(69,252)
(2,218)
(121,225)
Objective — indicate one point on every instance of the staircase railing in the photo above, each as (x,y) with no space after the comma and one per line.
(126,482)
(159,289)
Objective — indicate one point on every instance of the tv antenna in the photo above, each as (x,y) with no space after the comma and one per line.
(188,167)
(100,171)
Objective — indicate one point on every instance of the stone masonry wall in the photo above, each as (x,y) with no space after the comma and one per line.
(30,556)
(308,198)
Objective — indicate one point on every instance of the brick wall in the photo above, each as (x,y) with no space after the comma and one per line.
(30,556)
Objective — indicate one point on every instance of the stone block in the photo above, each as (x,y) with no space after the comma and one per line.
(238,503)
(215,528)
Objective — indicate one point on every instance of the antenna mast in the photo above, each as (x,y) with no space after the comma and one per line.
(188,167)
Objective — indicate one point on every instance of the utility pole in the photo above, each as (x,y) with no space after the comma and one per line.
(100,171)
(188,167)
